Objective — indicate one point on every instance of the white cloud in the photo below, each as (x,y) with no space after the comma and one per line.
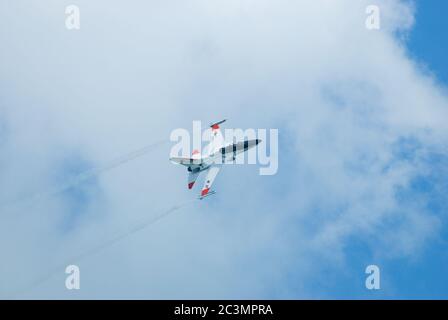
(342,96)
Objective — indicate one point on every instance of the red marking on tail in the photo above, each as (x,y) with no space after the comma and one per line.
(190,185)
(204,191)
(215,127)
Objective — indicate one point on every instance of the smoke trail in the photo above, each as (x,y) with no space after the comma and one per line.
(81,178)
(138,226)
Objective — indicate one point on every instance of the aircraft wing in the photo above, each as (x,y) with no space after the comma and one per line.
(192,176)
(186,161)
(212,172)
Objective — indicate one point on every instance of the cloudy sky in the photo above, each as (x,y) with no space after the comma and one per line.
(363,154)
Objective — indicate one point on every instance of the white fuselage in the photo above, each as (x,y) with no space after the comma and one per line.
(222,155)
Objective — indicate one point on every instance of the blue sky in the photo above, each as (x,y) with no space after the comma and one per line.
(425,276)
(427,41)
(362,176)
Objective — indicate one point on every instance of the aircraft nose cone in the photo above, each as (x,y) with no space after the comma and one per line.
(257,141)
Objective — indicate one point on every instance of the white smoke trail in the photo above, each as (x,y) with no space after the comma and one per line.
(16,205)
(138,226)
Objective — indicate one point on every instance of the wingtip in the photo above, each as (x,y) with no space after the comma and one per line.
(215,125)
(204,192)
(201,197)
